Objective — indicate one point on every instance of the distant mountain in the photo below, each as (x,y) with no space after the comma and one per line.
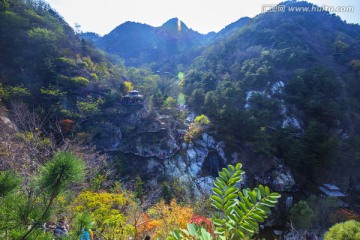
(139,43)
(164,47)
(231,28)
(129,40)
(91,36)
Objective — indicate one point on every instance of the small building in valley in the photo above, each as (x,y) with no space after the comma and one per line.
(331,190)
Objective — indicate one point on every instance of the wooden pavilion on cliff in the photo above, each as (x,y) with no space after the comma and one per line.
(133,98)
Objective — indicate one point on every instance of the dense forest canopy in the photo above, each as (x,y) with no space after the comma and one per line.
(284,72)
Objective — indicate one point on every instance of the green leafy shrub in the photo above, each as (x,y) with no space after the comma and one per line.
(90,106)
(64,62)
(169,103)
(3,92)
(240,211)
(79,81)
(52,91)
(349,230)
(301,215)
(94,76)
(42,34)
(10,92)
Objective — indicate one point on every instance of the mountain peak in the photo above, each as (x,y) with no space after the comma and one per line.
(171,21)
(174,23)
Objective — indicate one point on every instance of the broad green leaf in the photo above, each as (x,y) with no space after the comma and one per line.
(219,185)
(192,229)
(248,203)
(229,204)
(231,190)
(265,202)
(233,218)
(258,194)
(230,224)
(219,179)
(247,227)
(245,192)
(262,190)
(243,207)
(235,180)
(220,231)
(238,166)
(228,211)
(252,197)
(224,176)
(226,171)
(270,200)
(275,195)
(263,208)
(240,234)
(230,197)
(177,234)
(251,223)
(217,199)
(205,234)
(218,222)
(238,212)
(260,212)
(267,190)
(217,192)
(185,232)
(217,205)
(222,236)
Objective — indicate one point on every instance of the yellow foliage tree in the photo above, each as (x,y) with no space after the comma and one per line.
(128,86)
(167,218)
(202,120)
(196,128)
(108,211)
(169,103)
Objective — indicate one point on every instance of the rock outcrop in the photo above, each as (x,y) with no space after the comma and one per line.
(154,148)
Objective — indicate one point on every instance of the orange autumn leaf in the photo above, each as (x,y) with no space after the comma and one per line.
(167,218)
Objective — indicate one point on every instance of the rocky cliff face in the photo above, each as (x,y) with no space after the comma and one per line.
(152,146)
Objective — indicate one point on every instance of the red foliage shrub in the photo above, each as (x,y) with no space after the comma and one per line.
(66,125)
(202,222)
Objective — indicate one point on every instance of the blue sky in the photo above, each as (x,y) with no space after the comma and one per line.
(201,15)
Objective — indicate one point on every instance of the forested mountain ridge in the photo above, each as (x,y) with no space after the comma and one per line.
(164,47)
(288,83)
(230,29)
(41,54)
(140,44)
(65,81)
